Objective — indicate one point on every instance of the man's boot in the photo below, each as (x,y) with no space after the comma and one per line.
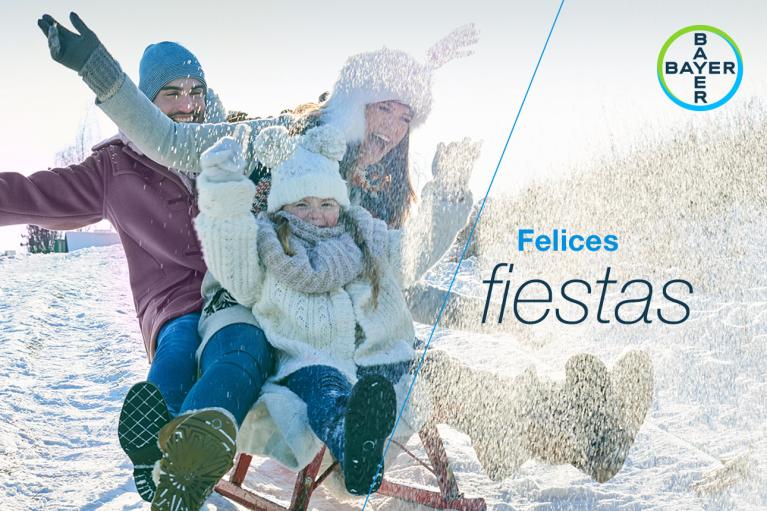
(143,414)
(198,449)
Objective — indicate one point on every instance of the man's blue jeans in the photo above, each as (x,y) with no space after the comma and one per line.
(174,367)
(233,367)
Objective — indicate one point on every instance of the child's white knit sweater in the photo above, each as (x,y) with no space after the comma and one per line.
(309,329)
(305,328)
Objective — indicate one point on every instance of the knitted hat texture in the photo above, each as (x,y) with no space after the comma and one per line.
(164,62)
(304,166)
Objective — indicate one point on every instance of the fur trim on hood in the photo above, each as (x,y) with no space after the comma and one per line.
(386,75)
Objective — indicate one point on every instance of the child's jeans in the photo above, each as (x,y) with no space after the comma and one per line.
(326,392)
(233,367)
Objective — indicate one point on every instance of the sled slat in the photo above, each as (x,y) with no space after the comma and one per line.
(246,498)
(414,457)
(435,449)
(430,498)
(243,463)
(305,484)
(449,497)
(325,474)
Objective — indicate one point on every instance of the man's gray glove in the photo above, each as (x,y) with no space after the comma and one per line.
(67,48)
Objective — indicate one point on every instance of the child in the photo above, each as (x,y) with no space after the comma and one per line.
(323,280)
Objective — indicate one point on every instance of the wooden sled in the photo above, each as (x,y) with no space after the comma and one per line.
(448,496)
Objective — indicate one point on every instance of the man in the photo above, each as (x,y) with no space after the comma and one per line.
(152,208)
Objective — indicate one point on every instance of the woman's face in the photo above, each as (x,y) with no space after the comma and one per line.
(387,123)
(316,211)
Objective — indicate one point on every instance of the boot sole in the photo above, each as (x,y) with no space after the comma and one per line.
(143,415)
(198,450)
(370,417)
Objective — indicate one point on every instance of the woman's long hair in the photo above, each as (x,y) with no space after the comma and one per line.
(371,272)
(392,203)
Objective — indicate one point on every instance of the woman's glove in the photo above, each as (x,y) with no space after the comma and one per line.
(226,159)
(67,48)
(452,166)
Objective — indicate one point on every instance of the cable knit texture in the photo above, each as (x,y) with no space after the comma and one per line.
(102,73)
(174,144)
(311,305)
(325,259)
(306,328)
(225,218)
(309,170)
(309,325)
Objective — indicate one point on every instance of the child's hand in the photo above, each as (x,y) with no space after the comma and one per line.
(225,160)
(453,163)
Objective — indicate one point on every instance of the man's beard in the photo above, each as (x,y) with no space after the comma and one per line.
(196,116)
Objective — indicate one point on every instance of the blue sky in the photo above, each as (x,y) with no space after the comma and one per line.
(596,88)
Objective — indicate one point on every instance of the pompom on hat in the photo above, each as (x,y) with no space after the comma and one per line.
(302,166)
(391,75)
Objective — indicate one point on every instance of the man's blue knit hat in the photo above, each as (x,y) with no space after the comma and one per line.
(164,62)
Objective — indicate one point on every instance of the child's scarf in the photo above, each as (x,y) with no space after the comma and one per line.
(326,258)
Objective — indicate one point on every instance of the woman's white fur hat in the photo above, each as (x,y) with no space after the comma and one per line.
(303,166)
(386,75)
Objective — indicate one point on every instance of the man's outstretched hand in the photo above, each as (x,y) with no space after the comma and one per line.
(68,48)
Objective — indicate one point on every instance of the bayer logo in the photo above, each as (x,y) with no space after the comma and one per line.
(700,67)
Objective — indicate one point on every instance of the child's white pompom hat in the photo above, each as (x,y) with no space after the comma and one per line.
(390,75)
(303,166)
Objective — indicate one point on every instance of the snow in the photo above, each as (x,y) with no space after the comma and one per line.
(71,349)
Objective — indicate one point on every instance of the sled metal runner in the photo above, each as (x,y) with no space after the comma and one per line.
(308,479)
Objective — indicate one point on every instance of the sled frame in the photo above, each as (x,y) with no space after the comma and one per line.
(309,478)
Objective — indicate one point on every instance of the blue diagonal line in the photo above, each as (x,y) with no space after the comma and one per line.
(465,247)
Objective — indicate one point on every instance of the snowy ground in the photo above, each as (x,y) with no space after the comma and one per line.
(70,348)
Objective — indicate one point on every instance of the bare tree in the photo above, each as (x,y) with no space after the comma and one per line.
(87,135)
